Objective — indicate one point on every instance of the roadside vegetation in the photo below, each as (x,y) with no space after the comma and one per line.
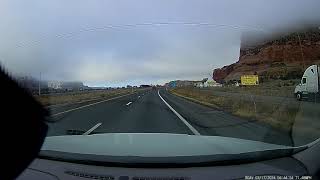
(279,115)
(281,88)
(54,99)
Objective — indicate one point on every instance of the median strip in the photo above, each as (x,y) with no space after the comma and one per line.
(81,107)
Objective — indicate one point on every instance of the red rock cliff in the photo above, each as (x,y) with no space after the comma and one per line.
(279,58)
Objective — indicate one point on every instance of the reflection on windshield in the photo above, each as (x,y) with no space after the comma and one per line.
(270,95)
(249,81)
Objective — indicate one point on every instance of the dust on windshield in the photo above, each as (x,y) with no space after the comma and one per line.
(96,73)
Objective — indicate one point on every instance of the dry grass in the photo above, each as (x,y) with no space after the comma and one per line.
(278,115)
(81,96)
(281,88)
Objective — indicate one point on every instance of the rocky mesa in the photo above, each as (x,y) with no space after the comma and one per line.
(282,57)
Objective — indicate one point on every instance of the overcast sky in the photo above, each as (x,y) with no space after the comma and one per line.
(114,43)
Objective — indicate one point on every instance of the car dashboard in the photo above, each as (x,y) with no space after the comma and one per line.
(49,169)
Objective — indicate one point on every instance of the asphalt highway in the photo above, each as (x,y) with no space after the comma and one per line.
(158,111)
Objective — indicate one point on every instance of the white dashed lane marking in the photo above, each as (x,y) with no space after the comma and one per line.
(92,129)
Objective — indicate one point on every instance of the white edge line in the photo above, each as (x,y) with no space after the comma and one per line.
(89,105)
(92,129)
(180,117)
(128,103)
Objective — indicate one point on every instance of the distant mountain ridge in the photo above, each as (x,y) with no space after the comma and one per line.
(279,58)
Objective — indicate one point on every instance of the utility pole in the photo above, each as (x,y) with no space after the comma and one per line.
(40,84)
(301,51)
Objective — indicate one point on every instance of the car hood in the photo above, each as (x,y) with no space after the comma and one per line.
(153,145)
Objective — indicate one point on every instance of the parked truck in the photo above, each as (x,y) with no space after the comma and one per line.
(309,85)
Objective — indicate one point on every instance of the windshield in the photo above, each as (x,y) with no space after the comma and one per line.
(179,74)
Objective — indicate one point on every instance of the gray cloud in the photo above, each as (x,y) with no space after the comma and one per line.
(97,42)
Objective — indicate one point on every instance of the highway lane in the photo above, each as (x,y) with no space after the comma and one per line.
(146,112)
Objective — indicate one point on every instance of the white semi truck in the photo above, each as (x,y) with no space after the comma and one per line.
(309,85)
